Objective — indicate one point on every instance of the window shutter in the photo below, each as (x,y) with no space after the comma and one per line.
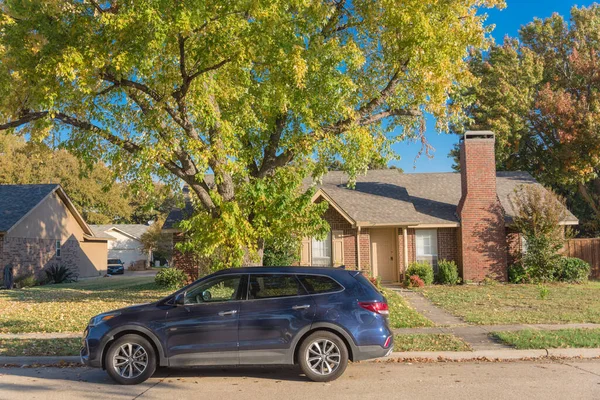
(305,256)
(337,244)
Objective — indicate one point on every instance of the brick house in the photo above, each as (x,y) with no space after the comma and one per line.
(39,226)
(391,219)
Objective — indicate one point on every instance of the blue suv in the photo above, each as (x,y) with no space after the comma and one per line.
(318,318)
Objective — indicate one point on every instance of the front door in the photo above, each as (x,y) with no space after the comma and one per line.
(277,310)
(383,254)
(204,331)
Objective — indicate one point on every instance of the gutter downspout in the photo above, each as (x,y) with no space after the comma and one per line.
(405,242)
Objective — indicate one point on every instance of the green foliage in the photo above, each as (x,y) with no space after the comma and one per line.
(157,242)
(447,273)
(423,270)
(259,94)
(540,94)
(538,213)
(573,270)
(518,274)
(170,278)
(281,252)
(60,274)
(25,281)
(543,291)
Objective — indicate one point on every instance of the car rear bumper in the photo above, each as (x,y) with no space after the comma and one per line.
(369,352)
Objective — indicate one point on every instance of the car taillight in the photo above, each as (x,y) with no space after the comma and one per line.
(375,306)
(387,342)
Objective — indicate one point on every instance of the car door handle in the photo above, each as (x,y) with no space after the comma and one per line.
(226,313)
(303,307)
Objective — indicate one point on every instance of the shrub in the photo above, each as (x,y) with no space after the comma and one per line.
(415,281)
(281,252)
(60,274)
(574,270)
(376,281)
(517,274)
(170,278)
(543,291)
(447,273)
(423,270)
(25,281)
(538,212)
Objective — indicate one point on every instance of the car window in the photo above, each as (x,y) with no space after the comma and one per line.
(315,284)
(114,261)
(224,288)
(273,286)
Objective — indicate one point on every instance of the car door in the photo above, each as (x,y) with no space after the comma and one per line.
(204,330)
(277,309)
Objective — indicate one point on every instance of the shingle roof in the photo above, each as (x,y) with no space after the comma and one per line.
(135,230)
(17,200)
(392,197)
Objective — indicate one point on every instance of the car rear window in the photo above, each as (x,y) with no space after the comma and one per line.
(315,284)
(273,286)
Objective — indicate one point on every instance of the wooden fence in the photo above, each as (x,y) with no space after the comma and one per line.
(588,250)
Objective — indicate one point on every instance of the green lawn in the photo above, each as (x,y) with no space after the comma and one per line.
(68,307)
(401,314)
(40,347)
(429,342)
(519,304)
(564,338)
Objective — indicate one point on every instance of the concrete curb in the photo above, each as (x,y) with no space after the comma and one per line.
(481,355)
(500,355)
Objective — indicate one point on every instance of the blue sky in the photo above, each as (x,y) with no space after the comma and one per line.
(508,22)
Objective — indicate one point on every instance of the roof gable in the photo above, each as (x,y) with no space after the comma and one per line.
(17,201)
(134,231)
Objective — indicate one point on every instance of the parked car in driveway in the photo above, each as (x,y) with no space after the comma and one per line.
(115,267)
(318,318)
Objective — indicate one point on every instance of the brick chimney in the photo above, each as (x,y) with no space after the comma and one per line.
(483,234)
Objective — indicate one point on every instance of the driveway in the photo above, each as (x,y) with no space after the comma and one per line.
(508,380)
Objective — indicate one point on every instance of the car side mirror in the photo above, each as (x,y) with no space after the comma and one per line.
(180,299)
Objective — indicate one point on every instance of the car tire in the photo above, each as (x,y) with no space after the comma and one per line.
(323,356)
(130,360)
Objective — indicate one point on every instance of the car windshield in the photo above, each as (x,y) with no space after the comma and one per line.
(114,261)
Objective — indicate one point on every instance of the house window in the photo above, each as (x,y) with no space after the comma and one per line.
(321,251)
(427,246)
(57,248)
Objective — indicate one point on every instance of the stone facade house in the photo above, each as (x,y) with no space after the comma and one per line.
(39,227)
(391,219)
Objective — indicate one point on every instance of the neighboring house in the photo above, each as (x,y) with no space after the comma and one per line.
(391,219)
(125,242)
(39,226)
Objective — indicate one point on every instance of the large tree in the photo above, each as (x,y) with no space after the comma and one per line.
(541,95)
(238,99)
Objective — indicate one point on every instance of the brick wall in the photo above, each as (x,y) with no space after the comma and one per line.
(448,244)
(483,235)
(337,222)
(365,250)
(30,256)
(412,250)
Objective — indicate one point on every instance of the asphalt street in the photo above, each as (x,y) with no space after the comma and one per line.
(564,379)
